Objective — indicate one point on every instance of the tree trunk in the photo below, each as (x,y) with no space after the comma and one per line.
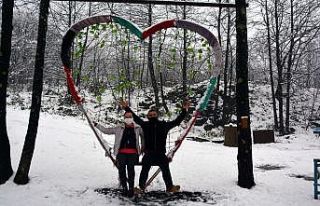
(226,104)
(71,5)
(231,80)
(289,66)
(129,90)
(280,69)
(142,66)
(216,93)
(162,94)
(150,64)
(158,66)
(29,144)
(78,78)
(245,165)
(184,60)
(5,53)
(274,104)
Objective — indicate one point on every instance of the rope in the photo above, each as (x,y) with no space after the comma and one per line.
(75,95)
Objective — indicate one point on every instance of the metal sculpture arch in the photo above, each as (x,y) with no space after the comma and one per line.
(141,34)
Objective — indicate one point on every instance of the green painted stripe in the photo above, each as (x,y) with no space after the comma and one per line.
(208,92)
(129,25)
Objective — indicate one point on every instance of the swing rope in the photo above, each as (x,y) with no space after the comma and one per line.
(79,101)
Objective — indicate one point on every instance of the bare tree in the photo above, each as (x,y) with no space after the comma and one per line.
(5,53)
(289,66)
(216,94)
(29,144)
(245,165)
(227,71)
(279,93)
(150,63)
(84,45)
(290,54)
(274,106)
(185,56)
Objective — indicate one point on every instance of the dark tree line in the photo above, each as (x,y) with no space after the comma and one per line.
(289,34)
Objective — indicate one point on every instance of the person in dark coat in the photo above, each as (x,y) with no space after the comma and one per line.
(155,133)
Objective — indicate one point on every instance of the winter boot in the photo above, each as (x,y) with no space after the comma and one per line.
(124,191)
(130,192)
(138,190)
(174,188)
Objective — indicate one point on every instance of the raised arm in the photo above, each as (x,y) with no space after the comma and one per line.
(103,129)
(181,116)
(178,120)
(136,118)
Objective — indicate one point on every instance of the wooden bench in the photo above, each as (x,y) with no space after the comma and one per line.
(263,136)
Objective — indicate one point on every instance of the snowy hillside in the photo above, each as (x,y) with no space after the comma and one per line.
(68,166)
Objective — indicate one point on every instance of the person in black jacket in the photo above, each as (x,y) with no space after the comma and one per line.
(155,133)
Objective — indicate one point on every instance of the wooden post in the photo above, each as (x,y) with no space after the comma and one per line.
(230,136)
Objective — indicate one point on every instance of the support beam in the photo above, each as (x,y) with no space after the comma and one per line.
(159,2)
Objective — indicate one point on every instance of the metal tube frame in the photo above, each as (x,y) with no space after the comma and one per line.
(165,2)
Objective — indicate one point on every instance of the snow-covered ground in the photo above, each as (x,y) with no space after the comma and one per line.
(68,165)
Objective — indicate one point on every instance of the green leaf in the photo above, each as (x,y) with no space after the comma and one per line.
(103,27)
(190,92)
(204,44)
(171,65)
(190,50)
(173,50)
(135,47)
(102,43)
(99,98)
(102,89)
(85,78)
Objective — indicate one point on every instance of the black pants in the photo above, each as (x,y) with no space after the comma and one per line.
(160,160)
(126,161)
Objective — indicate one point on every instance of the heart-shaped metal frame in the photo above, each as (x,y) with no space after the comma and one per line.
(202,104)
(141,34)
